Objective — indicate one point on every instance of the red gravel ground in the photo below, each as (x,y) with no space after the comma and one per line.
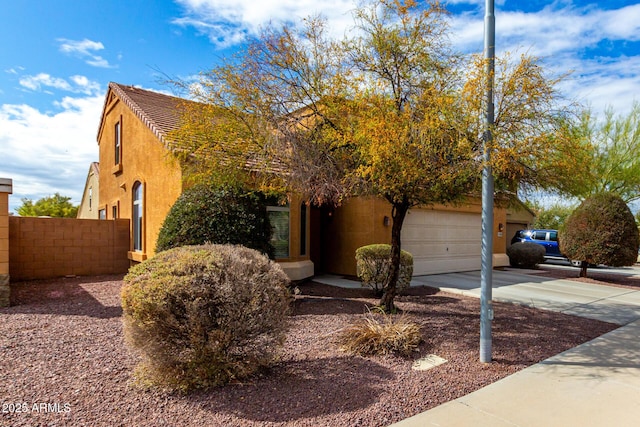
(596,275)
(64,362)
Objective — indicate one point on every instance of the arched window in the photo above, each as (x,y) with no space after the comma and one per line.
(137,215)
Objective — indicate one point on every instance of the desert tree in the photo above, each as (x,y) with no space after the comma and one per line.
(537,134)
(370,114)
(614,163)
(385,111)
(552,216)
(56,206)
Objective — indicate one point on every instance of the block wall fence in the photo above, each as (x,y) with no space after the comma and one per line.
(42,248)
(6,188)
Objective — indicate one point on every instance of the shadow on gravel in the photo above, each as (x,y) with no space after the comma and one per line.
(324,305)
(320,299)
(65,297)
(303,389)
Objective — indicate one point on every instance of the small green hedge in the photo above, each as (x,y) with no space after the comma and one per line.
(208,213)
(373,262)
(202,316)
(525,254)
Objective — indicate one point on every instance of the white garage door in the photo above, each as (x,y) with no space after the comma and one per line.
(442,242)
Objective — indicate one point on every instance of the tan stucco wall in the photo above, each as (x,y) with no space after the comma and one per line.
(42,248)
(360,221)
(144,159)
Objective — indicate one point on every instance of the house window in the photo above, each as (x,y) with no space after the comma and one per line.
(90,196)
(279,219)
(137,216)
(102,214)
(114,212)
(303,229)
(118,143)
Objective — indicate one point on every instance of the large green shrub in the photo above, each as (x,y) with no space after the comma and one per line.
(602,230)
(201,316)
(372,266)
(208,213)
(525,254)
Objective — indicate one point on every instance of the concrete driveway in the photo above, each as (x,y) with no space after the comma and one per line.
(606,303)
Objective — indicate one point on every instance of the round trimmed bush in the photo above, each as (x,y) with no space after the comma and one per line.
(602,230)
(525,254)
(208,213)
(201,316)
(372,267)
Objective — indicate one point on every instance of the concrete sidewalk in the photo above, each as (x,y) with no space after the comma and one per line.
(593,384)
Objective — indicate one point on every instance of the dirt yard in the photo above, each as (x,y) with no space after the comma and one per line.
(64,361)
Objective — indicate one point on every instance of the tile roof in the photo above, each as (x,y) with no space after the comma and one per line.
(159,112)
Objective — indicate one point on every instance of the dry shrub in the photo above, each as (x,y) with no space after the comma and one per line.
(202,316)
(381,334)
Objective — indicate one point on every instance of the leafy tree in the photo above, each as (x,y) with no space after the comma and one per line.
(602,230)
(614,165)
(536,140)
(55,206)
(551,217)
(383,112)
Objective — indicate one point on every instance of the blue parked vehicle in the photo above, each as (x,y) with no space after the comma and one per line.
(546,238)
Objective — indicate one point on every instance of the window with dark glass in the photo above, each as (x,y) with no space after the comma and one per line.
(303,229)
(118,143)
(137,216)
(279,219)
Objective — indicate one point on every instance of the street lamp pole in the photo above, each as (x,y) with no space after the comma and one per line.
(486,273)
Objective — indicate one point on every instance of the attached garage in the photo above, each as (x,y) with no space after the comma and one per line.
(442,241)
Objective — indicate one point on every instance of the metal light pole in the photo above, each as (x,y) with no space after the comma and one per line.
(486,274)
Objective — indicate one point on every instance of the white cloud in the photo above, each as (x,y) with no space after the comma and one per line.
(85,49)
(606,82)
(98,61)
(79,84)
(41,80)
(551,30)
(46,153)
(82,47)
(228,22)
(14,70)
(560,34)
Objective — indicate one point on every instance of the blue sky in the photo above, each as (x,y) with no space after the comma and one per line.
(57,58)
